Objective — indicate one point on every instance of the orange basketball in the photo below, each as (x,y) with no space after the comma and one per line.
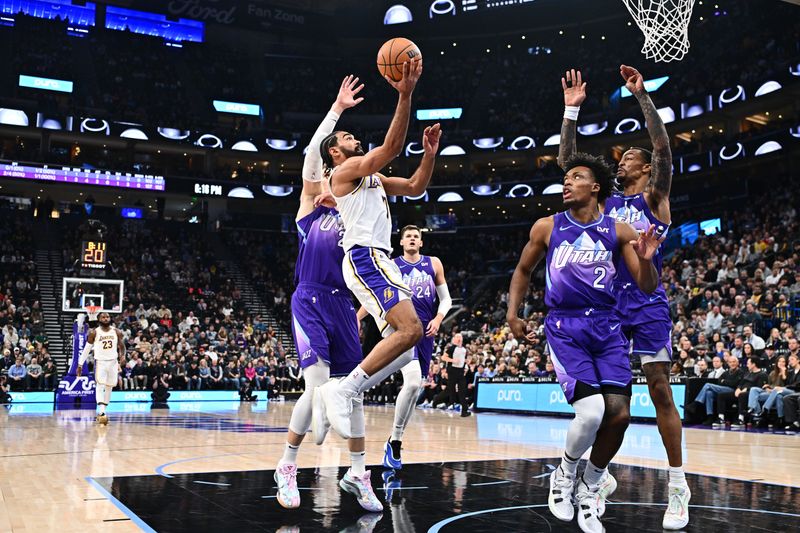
(393,54)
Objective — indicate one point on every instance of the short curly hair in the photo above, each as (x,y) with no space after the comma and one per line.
(601,171)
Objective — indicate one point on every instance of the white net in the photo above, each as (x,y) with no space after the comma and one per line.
(665,25)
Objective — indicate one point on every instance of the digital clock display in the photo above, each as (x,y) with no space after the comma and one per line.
(93,255)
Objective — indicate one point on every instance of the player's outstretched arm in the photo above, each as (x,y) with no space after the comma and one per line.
(443,293)
(312,162)
(87,348)
(661,165)
(418,182)
(355,168)
(574,95)
(638,250)
(534,251)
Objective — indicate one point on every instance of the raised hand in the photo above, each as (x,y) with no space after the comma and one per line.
(326,199)
(647,244)
(634,81)
(574,88)
(430,139)
(412,70)
(347,93)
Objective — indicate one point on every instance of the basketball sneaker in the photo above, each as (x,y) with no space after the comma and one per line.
(607,488)
(361,488)
(319,419)
(102,419)
(286,479)
(677,515)
(587,500)
(560,499)
(338,407)
(391,455)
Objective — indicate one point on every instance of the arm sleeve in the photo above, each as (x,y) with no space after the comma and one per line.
(312,163)
(445,302)
(84,353)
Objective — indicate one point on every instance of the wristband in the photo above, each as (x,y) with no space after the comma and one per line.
(571,112)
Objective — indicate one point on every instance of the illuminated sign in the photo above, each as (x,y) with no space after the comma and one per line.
(154,24)
(131,212)
(397,14)
(650,86)
(93,255)
(46,84)
(447,113)
(84,177)
(206,188)
(237,108)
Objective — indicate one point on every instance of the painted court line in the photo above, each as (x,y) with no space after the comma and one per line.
(119,505)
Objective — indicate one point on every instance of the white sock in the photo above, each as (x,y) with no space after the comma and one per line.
(107,395)
(354,381)
(376,378)
(99,395)
(676,476)
(289,454)
(569,466)
(593,475)
(358,462)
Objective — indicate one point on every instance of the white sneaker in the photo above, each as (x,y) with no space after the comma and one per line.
(361,488)
(286,479)
(677,515)
(560,499)
(588,519)
(338,407)
(607,488)
(319,420)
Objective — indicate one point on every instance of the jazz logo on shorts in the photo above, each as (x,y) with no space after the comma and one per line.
(388,294)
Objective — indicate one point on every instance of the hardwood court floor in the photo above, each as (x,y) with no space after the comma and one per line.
(56,467)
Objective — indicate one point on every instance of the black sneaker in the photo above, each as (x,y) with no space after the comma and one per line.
(709,421)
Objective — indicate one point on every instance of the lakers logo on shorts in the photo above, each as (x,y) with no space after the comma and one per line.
(388,294)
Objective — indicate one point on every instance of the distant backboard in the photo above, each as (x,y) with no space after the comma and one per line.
(77,293)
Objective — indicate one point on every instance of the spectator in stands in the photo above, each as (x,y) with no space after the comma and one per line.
(707,398)
(755,377)
(161,393)
(217,380)
(16,376)
(204,375)
(701,368)
(50,373)
(771,394)
(791,401)
(193,376)
(35,378)
(756,342)
(140,372)
(232,376)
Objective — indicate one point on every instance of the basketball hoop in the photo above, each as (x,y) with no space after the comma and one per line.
(665,25)
(92,310)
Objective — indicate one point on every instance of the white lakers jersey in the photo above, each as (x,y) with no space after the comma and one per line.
(365,215)
(105,344)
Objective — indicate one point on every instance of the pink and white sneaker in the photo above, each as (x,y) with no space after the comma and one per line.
(361,488)
(286,478)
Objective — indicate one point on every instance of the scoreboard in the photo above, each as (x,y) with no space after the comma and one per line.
(93,256)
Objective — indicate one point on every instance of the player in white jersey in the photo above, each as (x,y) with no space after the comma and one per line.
(107,343)
(360,192)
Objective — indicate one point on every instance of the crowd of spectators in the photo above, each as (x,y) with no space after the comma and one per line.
(25,357)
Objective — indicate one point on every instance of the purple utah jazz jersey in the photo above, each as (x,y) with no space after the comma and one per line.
(635,211)
(320,254)
(421,278)
(581,264)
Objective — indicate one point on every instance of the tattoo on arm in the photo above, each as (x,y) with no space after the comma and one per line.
(567,146)
(661,165)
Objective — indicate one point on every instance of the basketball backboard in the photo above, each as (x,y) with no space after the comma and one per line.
(78,293)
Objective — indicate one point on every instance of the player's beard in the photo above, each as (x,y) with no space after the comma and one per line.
(350,153)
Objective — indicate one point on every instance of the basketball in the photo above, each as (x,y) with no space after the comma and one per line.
(393,54)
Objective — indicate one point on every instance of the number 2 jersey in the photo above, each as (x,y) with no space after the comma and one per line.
(581,264)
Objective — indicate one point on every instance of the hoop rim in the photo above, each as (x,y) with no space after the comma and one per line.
(93,309)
